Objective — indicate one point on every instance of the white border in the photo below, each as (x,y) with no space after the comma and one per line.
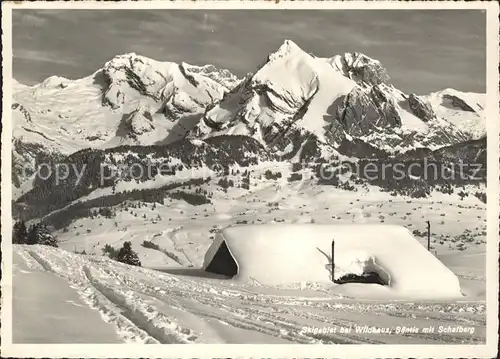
(243,350)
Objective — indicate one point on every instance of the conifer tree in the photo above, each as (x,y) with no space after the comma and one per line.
(127,255)
(19,233)
(45,237)
(40,234)
(32,236)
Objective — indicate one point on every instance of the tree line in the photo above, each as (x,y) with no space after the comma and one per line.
(124,255)
(38,233)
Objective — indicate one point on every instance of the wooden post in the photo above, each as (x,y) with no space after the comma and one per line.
(333,261)
(428,235)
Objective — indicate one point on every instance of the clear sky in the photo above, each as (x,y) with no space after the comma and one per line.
(423,50)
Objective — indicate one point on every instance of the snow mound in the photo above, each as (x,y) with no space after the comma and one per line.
(55,82)
(295,253)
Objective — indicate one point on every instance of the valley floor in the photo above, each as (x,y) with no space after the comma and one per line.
(61,297)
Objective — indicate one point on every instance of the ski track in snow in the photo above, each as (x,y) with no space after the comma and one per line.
(148,306)
(172,236)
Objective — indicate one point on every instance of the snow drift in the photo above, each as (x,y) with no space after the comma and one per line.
(294,253)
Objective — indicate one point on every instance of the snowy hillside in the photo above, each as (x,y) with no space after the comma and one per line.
(137,305)
(170,300)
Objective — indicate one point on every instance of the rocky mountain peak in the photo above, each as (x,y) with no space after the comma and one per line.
(223,77)
(130,75)
(360,68)
(296,95)
(421,108)
(288,48)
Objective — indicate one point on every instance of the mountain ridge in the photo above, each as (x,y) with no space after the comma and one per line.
(294,89)
(294,100)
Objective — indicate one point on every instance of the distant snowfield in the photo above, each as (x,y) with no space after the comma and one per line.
(172,301)
(138,305)
(469,122)
(184,230)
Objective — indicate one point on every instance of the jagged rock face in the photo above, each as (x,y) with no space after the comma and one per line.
(364,111)
(221,76)
(159,81)
(360,68)
(421,108)
(139,121)
(266,110)
(259,107)
(270,102)
(131,71)
(179,104)
(458,102)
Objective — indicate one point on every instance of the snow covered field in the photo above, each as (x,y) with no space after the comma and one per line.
(169,300)
(187,231)
(138,305)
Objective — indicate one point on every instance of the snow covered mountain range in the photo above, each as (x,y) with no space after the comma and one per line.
(295,107)
(339,98)
(292,97)
(131,100)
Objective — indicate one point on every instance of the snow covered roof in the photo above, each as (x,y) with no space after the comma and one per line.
(281,254)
